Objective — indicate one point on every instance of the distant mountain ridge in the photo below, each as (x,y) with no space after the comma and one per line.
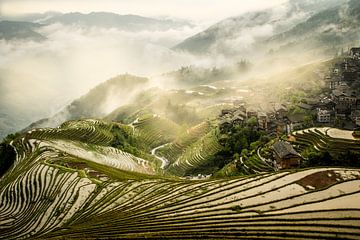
(334,26)
(252,30)
(113,20)
(10,30)
(27,27)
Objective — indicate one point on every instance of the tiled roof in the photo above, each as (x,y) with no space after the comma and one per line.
(283,149)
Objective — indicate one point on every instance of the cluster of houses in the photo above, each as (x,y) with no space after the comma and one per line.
(341,103)
(238,116)
(344,85)
(284,154)
(274,121)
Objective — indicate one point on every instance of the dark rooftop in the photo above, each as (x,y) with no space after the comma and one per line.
(355,50)
(284,149)
(298,117)
(305,106)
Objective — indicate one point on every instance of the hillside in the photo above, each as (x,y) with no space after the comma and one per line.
(337,26)
(15,30)
(131,23)
(98,102)
(57,189)
(69,189)
(272,29)
(247,130)
(176,164)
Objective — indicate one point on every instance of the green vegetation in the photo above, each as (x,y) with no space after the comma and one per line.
(155,131)
(198,156)
(239,155)
(124,139)
(319,149)
(77,188)
(176,148)
(192,75)
(346,158)
(170,164)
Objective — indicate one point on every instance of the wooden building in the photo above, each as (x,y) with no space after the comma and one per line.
(285,155)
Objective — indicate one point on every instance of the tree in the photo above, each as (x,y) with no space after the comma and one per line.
(251,122)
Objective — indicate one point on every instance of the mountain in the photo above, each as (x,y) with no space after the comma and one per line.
(98,102)
(25,27)
(244,33)
(10,30)
(96,179)
(336,26)
(113,20)
(142,172)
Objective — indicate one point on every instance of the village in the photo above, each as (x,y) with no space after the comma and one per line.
(338,106)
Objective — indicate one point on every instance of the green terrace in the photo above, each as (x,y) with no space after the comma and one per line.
(84,180)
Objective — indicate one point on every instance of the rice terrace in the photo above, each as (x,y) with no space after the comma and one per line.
(238,121)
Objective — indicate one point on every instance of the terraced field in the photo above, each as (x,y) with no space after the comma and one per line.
(326,139)
(254,165)
(63,188)
(173,150)
(154,130)
(89,130)
(196,154)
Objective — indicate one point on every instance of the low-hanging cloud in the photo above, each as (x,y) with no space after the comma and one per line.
(39,78)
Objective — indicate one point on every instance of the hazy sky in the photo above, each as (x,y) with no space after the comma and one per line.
(197,10)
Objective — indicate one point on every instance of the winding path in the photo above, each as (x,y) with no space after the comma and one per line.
(164,161)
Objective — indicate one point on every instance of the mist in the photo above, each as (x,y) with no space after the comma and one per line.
(39,78)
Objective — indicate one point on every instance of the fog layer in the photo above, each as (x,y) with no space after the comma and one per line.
(39,78)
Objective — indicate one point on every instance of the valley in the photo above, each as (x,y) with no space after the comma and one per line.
(147,172)
(121,126)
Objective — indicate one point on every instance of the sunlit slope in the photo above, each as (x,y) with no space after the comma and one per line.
(197,154)
(327,139)
(154,130)
(173,150)
(83,139)
(61,187)
(47,202)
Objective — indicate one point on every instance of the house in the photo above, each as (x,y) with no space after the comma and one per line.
(242,108)
(355,53)
(277,127)
(323,115)
(262,120)
(305,106)
(280,110)
(350,76)
(251,112)
(237,120)
(326,103)
(355,117)
(224,125)
(226,111)
(334,82)
(357,121)
(285,155)
(295,121)
(240,113)
(344,100)
(343,87)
